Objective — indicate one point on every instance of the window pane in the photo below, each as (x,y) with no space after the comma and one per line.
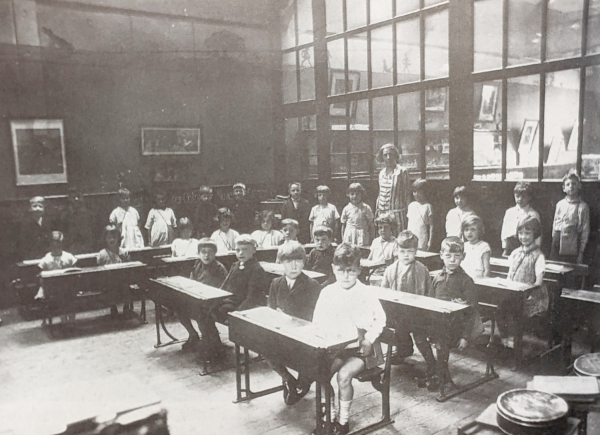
(359,137)
(334,16)
(487,131)
(522,149)
(356,13)
(564,28)
(307,74)
(488,35)
(382,56)
(409,131)
(357,62)
(383,122)
(305,22)
(405,6)
(381,10)
(335,53)
(593,42)
(561,121)
(298,137)
(288,26)
(437,134)
(290,90)
(524,31)
(338,140)
(407,51)
(591,125)
(436,45)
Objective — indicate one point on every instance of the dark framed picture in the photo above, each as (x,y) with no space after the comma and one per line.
(528,135)
(489,100)
(39,150)
(435,100)
(337,86)
(159,141)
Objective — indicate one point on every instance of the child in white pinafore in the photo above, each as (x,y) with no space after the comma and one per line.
(126,219)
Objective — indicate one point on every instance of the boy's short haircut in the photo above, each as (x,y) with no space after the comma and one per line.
(111,229)
(223,212)
(294,183)
(532,224)
(407,240)
(357,187)
(460,191)
(324,189)
(291,251)
(571,175)
(292,222)
(453,245)
(475,221)
(57,236)
(205,189)
(239,184)
(386,218)
(420,185)
(347,256)
(524,188)
(37,200)
(124,192)
(184,224)
(205,242)
(322,231)
(245,239)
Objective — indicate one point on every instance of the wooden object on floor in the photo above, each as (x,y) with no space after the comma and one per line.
(295,343)
(431,317)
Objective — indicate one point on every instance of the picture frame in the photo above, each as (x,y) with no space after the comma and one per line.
(160,141)
(337,86)
(489,101)
(435,100)
(39,151)
(528,135)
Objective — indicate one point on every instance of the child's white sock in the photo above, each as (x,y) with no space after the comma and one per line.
(344,411)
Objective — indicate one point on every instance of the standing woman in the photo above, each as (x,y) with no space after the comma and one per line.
(394,187)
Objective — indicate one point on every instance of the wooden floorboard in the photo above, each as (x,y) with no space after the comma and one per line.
(31,360)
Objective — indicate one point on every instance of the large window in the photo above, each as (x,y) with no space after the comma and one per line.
(387,68)
(535,69)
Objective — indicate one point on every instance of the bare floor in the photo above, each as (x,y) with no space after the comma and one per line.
(31,360)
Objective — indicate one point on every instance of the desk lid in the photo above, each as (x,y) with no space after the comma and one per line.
(531,406)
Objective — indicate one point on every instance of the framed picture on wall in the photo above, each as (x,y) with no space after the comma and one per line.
(39,150)
(435,100)
(160,141)
(489,99)
(337,86)
(528,135)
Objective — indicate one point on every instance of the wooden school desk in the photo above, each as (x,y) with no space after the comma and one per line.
(277,270)
(563,273)
(176,292)
(295,343)
(579,307)
(428,316)
(497,290)
(178,266)
(77,290)
(262,254)
(430,259)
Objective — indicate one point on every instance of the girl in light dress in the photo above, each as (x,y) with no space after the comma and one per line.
(324,213)
(185,245)
(420,216)
(161,222)
(266,236)
(477,252)
(357,218)
(224,237)
(126,219)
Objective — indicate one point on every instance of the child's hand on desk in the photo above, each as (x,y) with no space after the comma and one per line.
(365,347)
(459,301)
(462,344)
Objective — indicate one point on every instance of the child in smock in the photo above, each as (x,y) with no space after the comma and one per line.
(357,218)
(126,219)
(161,222)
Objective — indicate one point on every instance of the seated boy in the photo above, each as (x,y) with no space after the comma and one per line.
(410,276)
(209,271)
(321,256)
(289,229)
(248,283)
(295,294)
(451,283)
(34,233)
(348,307)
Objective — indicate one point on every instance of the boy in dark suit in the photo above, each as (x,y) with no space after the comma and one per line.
(248,282)
(243,209)
(295,294)
(297,208)
(36,228)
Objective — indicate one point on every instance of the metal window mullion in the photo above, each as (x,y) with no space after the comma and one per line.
(296,29)
(348,144)
(369,61)
(298,78)
(505,12)
(422,133)
(504,121)
(541,128)
(396,123)
(582,83)
(584,26)
(371,140)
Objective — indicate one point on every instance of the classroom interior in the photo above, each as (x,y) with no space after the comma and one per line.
(480,93)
